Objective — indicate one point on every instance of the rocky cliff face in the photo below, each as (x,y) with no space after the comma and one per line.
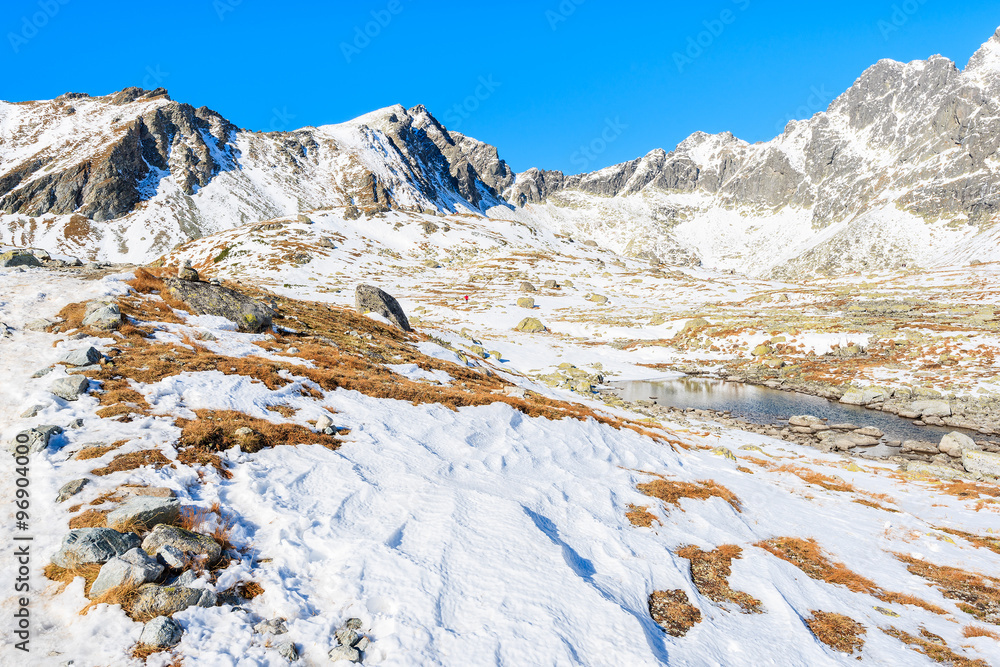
(902,168)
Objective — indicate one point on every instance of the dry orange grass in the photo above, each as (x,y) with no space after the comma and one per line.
(671,491)
(249,590)
(710,571)
(935,648)
(90,519)
(640,516)
(808,557)
(812,477)
(89,573)
(975,594)
(97,451)
(839,632)
(991,543)
(673,612)
(971,631)
(133,460)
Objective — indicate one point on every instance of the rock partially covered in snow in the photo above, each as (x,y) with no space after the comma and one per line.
(33,440)
(133,568)
(249,314)
(370,299)
(194,545)
(70,388)
(18,258)
(93,545)
(84,357)
(161,632)
(155,600)
(145,511)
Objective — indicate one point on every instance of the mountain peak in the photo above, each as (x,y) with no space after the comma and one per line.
(987,57)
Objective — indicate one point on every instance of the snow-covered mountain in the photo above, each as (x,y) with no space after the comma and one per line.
(900,170)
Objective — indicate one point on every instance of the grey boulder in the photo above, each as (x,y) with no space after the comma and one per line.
(84,357)
(70,388)
(145,511)
(370,299)
(104,316)
(933,408)
(34,439)
(161,632)
(93,545)
(195,546)
(132,568)
(155,600)
(13,258)
(250,315)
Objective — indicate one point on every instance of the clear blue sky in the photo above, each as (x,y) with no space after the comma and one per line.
(555,72)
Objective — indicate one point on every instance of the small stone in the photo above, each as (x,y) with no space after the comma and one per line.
(869,431)
(70,489)
(186,272)
(191,543)
(347,636)
(550,284)
(41,372)
(362,643)
(287,650)
(934,408)
(804,420)
(724,452)
(107,317)
(70,388)
(32,411)
(275,626)
(527,287)
(161,632)
(172,557)
(526,302)
(344,653)
(84,357)
(919,447)
(598,298)
(156,600)
(352,624)
(324,422)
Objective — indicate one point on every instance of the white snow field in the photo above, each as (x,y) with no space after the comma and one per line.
(476,536)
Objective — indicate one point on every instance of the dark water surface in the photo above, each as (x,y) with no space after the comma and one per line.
(762,405)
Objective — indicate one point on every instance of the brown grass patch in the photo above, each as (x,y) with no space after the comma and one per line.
(285,411)
(938,652)
(808,557)
(710,571)
(968,490)
(97,451)
(971,631)
(214,431)
(133,460)
(991,543)
(671,491)
(673,612)
(839,632)
(640,516)
(90,519)
(874,505)
(812,477)
(63,575)
(976,594)
(125,595)
(248,590)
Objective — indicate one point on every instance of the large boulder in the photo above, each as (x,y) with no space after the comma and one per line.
(984,463)
(954,443)
(132,568)
(71,387)
(370,299)
(161,632)
(250,315)
(102,315)
(530,325)
(195,546)
(82,357)
(145,512)
(93,545)
(156,600)
(933,408)
(13,258)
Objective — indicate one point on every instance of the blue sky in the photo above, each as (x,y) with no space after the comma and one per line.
(574,85)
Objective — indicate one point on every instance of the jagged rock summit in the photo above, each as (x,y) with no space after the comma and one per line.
(900,170)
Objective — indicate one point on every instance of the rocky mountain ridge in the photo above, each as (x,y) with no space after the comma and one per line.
(901,170)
